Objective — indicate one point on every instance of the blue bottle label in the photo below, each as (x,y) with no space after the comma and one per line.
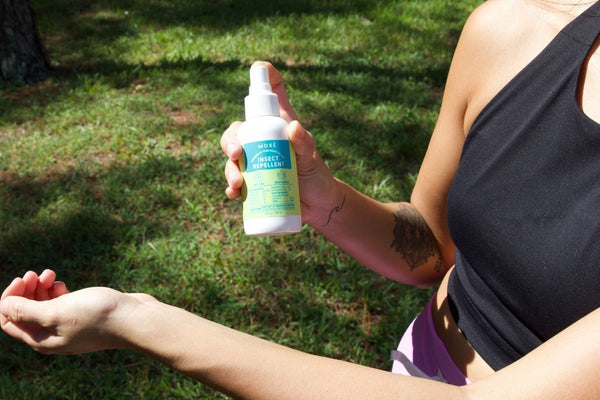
(267,154)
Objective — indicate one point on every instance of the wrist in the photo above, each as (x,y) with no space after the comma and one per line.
(177,338)
(159,330)
(329,207)
(131,322)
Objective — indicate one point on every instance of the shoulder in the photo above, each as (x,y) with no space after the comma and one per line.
(502,19)
(499,27)
(498,39)
(516,28)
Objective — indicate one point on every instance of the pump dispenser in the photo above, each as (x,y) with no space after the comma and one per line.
(271,200)
(260,100)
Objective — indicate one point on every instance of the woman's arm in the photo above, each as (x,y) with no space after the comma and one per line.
(236,363)
(246,367)
(498,40)
(411,242)
(407,242)
(565,367)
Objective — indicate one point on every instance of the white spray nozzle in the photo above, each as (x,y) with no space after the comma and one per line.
(259,79)
(261,101)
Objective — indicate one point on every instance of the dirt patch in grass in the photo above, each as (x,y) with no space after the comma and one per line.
(182,117)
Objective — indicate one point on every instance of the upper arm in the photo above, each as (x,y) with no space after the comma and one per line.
(441,160)
(476,73)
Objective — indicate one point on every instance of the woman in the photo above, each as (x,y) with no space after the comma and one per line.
(511,163)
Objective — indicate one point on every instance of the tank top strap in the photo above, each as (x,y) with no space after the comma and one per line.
(586,27)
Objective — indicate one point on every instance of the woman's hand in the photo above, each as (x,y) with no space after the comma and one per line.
(317,184)
(42,313)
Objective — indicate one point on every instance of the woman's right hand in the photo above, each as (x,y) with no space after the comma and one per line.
(316,182)
(42,313)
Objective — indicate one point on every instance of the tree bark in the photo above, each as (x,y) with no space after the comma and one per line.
(22,56)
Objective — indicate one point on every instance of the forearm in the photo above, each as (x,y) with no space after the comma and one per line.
(392,239)
(247,367)
(565,367)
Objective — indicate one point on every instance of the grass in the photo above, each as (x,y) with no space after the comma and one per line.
(111,171)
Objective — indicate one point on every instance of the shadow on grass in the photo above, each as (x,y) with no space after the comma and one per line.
(80,29)
(72,222)
(396,144)
(77,223)
(217,14)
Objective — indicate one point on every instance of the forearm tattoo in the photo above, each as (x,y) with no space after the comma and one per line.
(414,240)
(334,210)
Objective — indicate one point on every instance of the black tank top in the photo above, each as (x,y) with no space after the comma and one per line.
(524,206)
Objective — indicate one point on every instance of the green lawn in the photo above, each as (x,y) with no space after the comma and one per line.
(111,170)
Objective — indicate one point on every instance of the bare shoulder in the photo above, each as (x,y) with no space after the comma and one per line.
(498,27)
(499,38)
(506,19)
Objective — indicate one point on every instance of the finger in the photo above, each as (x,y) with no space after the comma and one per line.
(31,282)
(278,87)
(233,175)
(35,336)
(45,282)
(233,193)
(58,289)
(16,288)
(24,311)
(230,143)
(47,278)
(24,320)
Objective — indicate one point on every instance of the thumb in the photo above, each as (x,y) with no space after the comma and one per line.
(302,141)
(23,311)
(24,319)
(307,157)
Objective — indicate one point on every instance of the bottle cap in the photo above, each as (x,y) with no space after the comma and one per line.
(261,100)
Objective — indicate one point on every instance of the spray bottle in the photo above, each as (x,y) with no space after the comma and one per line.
(271,199)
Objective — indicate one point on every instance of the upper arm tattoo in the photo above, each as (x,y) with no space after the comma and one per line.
(414,240)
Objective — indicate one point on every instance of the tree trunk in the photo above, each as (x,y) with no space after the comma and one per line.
(22,56)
